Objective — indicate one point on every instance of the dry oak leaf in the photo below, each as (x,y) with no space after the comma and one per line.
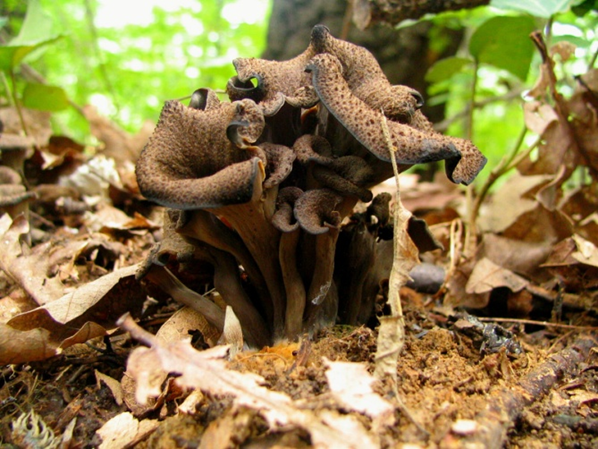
(487,276)
(207,371)
(77,317)
(27,267)
(124,430)
(586,253)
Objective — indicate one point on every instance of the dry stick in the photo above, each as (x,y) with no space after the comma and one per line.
(507,404)
(391,333)
(470,230)
(539,323)
(347,21)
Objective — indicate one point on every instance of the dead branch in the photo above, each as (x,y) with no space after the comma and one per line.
(505,407)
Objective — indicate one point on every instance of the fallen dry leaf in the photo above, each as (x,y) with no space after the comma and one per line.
(78,316)
(487,276)
(509,203)
(351,386)
(538,116)
(113,384)
(184,320)
(79,302)
(28,268)
(124,429)
(586,253)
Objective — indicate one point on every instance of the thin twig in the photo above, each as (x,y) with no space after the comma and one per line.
(347,21)
(16,102)
(471,102)
(506,404)
(127,323)
(511,95)
(593,60)
(540,323)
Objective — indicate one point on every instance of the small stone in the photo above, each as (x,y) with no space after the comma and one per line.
(464,427)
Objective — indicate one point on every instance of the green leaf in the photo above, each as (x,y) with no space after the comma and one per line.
(504,43)
(575,40)
(3,21)
(45,98)
(36,28)
(538,8)
(35,32)
(446,68)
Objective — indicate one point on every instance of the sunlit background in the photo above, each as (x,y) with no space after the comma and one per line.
(126,57)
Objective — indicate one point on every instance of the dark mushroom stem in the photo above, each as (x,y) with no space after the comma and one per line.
(184,295)
(316,213)
(284,220)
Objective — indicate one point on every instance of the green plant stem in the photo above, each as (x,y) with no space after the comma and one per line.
(593,60)
(471,104)
(505,165)
(16,102)
(89,15)
(7,88)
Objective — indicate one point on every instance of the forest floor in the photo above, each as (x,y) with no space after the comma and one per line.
(525,376)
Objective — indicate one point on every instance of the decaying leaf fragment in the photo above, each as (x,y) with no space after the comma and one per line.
(27,268)
(124,430)
(351,386)
(207,370)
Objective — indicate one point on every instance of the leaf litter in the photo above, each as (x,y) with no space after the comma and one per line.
(68,274)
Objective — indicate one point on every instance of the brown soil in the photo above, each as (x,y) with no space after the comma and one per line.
(443,379)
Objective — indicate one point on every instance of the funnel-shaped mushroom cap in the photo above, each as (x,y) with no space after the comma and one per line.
(368,126)
(276,82)
(204,99)
(189,161)
(366,79)
(314,211)
(279,163)
(284,219)
(346,175)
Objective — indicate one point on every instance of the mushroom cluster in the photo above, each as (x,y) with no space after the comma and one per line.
(257,187)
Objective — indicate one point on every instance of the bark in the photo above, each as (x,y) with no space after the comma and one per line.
(394,12)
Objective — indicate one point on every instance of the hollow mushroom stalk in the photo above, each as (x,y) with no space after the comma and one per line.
(206,227)
(226,280)
(284,220)
(316,213)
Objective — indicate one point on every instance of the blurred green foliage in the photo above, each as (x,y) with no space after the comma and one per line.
(129,70)
(498,63)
